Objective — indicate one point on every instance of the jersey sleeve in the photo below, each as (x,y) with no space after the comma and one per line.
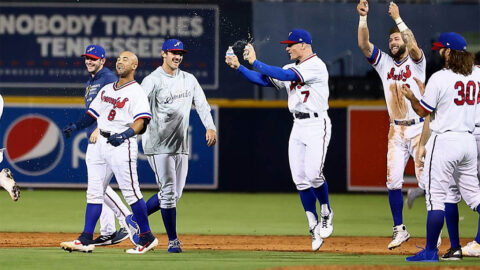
(377,59)
(140,108)
(279,85)
(148,85)
(201,105)
(308,72)
(430,98)
(420,67)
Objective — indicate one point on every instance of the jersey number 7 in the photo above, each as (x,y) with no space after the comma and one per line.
(466,93)
(306,93)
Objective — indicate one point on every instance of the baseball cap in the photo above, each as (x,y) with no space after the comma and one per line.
(95,51)
(298,36)
(450,40)
(173,45)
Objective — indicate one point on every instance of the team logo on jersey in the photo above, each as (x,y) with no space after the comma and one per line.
(402,76)
(177,97)
(116,102)
(294,85)
(34,144)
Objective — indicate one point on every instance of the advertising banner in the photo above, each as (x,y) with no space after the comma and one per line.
(367,137)
(40,156)
(41,43)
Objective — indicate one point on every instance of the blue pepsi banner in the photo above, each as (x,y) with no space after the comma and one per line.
(41,43)
(40,156)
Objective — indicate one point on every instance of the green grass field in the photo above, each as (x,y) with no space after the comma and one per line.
(214,213)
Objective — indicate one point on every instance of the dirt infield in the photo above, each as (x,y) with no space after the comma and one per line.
(347,245)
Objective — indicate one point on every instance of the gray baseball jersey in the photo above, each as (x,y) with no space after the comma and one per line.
(171,98)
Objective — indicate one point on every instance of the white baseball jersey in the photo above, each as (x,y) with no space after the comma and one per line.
(171,98)
(393,75)
(311,93)
(116,108)
(452,99)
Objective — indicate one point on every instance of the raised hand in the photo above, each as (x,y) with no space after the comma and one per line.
(362,7)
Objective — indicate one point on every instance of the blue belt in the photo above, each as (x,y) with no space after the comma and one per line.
(410,122)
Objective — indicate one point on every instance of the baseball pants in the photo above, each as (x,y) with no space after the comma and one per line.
(399,150)
(171,174)
(113,206)
(103,160)
(307,148)
(441,163)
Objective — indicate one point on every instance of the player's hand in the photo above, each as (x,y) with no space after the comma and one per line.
(69,129)
(420,157)
(407,92)
(362,8)
(116,139)
(232,61)
(249,54)
(393,11)
(211,137)
(93,138)
(421,85)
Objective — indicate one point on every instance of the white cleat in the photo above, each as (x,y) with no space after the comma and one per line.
(8,183)
(326,225)
(139,249)
(400,235)
(472,249)
(76,245)
(317,240)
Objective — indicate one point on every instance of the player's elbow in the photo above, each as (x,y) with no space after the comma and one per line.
(421,111)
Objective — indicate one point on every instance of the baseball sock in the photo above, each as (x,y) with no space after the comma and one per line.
(139,210)
(322,194)
(169,217)
(451,217)
(153,204)
(308,201)
(477,239)
(92,214)
(395,197)
(434,226)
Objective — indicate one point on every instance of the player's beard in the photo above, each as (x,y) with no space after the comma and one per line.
(397,56)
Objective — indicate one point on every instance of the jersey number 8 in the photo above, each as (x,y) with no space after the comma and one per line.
(111,115)
(466,93)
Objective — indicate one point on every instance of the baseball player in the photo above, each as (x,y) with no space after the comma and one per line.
(171,93)
(121,111)
(306,83)
(113,206)
(404,61)
(450,99)
(6,176)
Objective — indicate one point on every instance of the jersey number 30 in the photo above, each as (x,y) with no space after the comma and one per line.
(466,93)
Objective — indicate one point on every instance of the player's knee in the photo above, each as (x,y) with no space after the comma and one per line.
(391,185)
(167,203)
(132,198)
(95,198)
(435,205)
(303,186)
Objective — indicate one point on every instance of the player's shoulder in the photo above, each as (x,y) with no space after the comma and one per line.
(107,76)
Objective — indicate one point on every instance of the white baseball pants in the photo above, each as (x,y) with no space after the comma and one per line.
(171,174)
(449,153)
(113,206)
(307,148)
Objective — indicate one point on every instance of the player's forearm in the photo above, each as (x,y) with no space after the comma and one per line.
(364,37)
(139,125)
(86,121)
(417,107)
(254,77)
(425,131)
(411,44)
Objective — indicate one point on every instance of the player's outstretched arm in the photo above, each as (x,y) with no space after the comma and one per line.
(86,121)
(250,75)
(405,89)
(363,35)
(407,34)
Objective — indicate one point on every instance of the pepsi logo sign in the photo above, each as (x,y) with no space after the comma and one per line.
(34,144)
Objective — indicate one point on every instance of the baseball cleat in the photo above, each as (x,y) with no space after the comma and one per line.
(326,225)
(8,183)
(400,235)
(424,256)
(453,254)
(412,194)
(174,246)
(317,240)
(76,245)
(146,243)
(439,241)
(132,229)
(112,239)
(472,249)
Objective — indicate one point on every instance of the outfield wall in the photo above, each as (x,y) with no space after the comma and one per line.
(251,154)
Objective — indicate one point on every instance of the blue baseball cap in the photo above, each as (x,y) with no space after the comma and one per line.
(95,52)
(450,40)
(298,36)
(173,45)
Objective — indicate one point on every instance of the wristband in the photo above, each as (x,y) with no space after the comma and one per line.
(400,24)
(363,21)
